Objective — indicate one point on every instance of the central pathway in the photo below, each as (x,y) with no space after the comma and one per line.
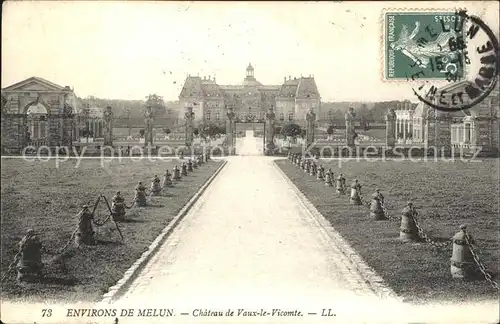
(248,243)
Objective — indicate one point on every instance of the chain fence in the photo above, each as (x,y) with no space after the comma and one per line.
(424,236)
(478,262)
(421,233)
(11,266)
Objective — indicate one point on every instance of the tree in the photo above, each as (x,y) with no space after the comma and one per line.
(157,104)
(142,131)
(167,131)
(210,130)
(291,130)
(329,130)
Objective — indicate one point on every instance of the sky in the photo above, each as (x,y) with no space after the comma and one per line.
(127,49)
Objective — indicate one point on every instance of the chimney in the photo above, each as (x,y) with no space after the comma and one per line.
(214,78)
(289,77)
(284,79)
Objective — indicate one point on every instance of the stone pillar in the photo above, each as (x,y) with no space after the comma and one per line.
(67,126)
(148,130)
(390,128)
(438,133)
(108,126)
(350,116)
(310,119)
(230,130)
(189,131)
(270,121)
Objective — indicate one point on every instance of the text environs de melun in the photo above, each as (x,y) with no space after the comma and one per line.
(113,312)
(246,312)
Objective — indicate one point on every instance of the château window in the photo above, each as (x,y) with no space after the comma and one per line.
(282,116)
(290,116)
(217,116)
(208,115)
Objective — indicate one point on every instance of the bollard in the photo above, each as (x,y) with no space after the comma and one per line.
(167,179)
(462,262)
(376,210)
(118,207)
(308,166)
(140,195)
(312,171)
(177,173)
(190,166)
(355,199)
(184,169)
(408,231)
(321,173)
(29,266)
(328,179)
(340,184)
(85,231)
(155,186)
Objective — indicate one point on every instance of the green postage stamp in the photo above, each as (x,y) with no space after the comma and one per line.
(427,45)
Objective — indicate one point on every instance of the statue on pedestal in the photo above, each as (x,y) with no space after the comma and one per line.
(350,133)
(108,126)
(310,119)
(270,119)
(148,132)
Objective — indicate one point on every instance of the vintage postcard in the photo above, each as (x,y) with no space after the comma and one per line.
(250,162)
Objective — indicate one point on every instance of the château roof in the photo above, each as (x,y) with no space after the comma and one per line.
(306,88)
(300,88)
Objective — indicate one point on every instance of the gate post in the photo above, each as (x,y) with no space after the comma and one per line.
(390,128)
(189,116)
(230,129)
(310,119)
(108,126)
(269,132)
(350,116)
(148,134)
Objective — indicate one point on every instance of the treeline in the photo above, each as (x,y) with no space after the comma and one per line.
(370,112)
(134,109)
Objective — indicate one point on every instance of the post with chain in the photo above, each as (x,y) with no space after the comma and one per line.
(408,231)
(377,208)
(464,257)
(356,197)
(461,258)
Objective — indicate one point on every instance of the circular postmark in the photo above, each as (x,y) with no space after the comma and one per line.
(468,57)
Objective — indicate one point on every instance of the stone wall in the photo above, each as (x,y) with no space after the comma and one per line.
(14,119)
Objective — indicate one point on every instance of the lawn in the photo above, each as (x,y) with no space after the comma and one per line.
(448,193)
(40,196)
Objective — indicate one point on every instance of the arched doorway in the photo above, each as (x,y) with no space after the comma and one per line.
(36,126)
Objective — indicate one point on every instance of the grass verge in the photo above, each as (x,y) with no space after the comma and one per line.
(47,198)
(449,194)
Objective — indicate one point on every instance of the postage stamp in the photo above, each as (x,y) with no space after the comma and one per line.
(477,49)
(423,41)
